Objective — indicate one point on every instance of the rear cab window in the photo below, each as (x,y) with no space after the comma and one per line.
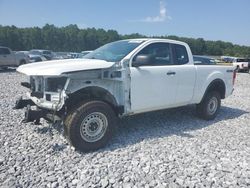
(180,54)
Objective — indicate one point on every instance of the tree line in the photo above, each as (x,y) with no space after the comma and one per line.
(73,39)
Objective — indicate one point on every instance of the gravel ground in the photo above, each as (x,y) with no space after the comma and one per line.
(170,148)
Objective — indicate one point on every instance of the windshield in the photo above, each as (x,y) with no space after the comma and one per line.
(114,51)
(35,52)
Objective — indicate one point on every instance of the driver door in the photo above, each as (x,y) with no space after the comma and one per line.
(153,86)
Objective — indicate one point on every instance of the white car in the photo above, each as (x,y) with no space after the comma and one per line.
(120,79)
(8,58)
(241,64)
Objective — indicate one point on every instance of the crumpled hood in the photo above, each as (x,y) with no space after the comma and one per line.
(57,67)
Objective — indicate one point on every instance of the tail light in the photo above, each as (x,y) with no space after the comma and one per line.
(234,76)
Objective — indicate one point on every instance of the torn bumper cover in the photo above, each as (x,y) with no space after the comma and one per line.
(21,103)
(34,115)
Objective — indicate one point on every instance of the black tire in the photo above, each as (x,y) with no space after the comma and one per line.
(86,119)
(22,62)
(237,68)
(205,109)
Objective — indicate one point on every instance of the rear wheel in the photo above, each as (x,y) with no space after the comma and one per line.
(90,126)
(209,107)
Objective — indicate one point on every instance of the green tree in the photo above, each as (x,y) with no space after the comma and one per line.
(71,38)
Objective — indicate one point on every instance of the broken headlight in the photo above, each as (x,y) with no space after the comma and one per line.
(55,84)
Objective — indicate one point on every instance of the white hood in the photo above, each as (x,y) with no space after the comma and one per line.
(57,67)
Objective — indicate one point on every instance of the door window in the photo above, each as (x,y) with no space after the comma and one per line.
(160,53)
(180,54)
(4,51)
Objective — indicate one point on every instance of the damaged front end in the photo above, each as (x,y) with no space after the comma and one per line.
(45,100)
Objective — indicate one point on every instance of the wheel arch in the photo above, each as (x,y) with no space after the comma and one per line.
(216,85)
(93,93)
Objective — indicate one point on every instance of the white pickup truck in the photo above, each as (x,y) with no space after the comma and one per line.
(241,64)
(119,79)
(8,58)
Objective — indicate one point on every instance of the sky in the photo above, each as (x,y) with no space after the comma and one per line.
(227,20)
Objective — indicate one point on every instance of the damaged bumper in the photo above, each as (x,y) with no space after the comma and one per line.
(49,104)
(21,103)
(46,98)
(33,113)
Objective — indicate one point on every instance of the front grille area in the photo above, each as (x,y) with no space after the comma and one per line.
(48,97)
(37,94)
(55,84)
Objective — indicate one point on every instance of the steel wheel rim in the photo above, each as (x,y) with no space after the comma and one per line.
(93,127)
(212,105)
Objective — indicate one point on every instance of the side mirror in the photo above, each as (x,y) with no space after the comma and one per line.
(143,60)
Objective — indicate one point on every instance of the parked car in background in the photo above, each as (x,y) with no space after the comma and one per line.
(227,59)
(25,52)
(36,58)
(9,58)
(46,53)
(248,64)
(202,60)
(60,55)
(85,52)
(73,55)
(241,64)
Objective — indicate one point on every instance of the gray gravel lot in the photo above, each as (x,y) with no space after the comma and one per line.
(170,148)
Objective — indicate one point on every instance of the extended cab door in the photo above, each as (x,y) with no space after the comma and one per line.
(153,85)
(186,74)
(6,58)
(168,81)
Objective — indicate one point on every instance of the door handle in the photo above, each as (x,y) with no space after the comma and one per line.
(171,73)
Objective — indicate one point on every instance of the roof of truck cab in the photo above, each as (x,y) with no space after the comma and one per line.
(155,39)
(150,39)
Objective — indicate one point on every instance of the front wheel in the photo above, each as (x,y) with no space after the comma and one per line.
(90,126)
(209,107)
